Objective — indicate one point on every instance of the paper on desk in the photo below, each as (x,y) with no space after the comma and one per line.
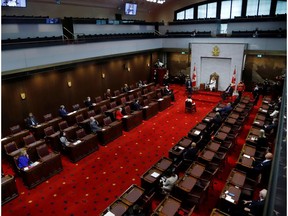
(145,107)
(77,142)
(180,147)
(155,174)
(256,122)
(247,156)
(197,132)
(229,198)
(160,99)
(125,116)
(109,214)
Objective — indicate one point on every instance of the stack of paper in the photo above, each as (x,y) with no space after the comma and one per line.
(155,174)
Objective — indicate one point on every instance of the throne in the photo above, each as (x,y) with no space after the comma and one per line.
(216,77)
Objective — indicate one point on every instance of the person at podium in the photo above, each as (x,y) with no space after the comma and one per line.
(212,84)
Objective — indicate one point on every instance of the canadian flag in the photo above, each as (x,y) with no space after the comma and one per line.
(194,77)
(233,81)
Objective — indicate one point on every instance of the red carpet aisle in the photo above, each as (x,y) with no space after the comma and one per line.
(89,186)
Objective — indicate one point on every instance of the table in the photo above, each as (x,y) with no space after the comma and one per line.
(194,133)
(132,120)
(200,126)
(132,195)
(236,178)
(234,115)
(38,130)
(8,189)
(71,117)
(258,123)
(81,148)
(245,161)
(168,207)
(176,151)
(17,138)
(231,193)
(164,103)
(150,178)
(186,183)
(196,169)
(163,164)
(252,139)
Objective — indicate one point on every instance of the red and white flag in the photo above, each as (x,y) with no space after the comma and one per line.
(194,77)
(233,81)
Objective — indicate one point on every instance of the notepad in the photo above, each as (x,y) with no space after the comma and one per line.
(155,174)
(197,132)
(77,142)
(180,147)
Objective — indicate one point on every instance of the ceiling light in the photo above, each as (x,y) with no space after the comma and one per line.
(157,1)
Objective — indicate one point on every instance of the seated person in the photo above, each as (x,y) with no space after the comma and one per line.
(118,114)
(228,92)
(212,84)
(272,126)
(62,111)
(31,120)
(168,182)
(94,125)
(63,140)
(108,94)
(275,112)
(191,153)
(135,210)
(136,105)
(23,160)
(240,88)
(217,121)
(188,84)
(225,110)
(126,88)
(140,84)
(251,207)
(89,103)
(167,91)
(189,99)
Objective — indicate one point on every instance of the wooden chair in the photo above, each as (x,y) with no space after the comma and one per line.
(216,77)
(76,107)
(80,133)
(190,107)
(98,99)
(47,117)
(15,129)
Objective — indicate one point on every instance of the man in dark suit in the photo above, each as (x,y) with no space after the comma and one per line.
(228,92)
(89,103)
(136,105)
(251,207)
(225,110)
(62,111)
(189,86)
(167,91)
(191,153)
(31,120)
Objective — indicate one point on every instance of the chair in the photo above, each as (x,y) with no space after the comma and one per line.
(79,119)
(80,133)
(189,107)
(98,99)
(113,105)
(42,151)
(107,121)
(15,129)
(29,139)
(76,107)
(63,125)
(123,100)
(91,113)
(216,77)
(103,109)
(47,117)
(116,92)
(11,149)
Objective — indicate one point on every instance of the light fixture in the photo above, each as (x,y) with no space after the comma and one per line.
(156,1)
(69,83)
(23,95)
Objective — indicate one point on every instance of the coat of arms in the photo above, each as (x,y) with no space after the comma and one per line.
(215,51)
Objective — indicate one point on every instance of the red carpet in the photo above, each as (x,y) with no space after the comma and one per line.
(89,186)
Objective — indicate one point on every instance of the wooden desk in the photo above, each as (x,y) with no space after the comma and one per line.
(185,142)
(249,150)
(245,101)
(207,155)
(245,161)
(213,146)
(186,183)
(176,151)
(230,121)
(8,189)
(163,164)
(168,207)
(231,193)
(132,195)
(221,136)
(150,111)
(38,130)
(238,109)
(265,106)
(17,138)
(200,126)
(234,115)
(149,181)
(263,111)
(164,103)
(217,212)
(118,208)
(132,120)
(252,139)
(258,123)
(81,148)
(260,117)
(236,178)
(225,129)
(196,170)
(194,133)
(254,131)
(71,117)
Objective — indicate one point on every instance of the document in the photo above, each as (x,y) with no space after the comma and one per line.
(256,122)
(247,156)
(160,99)
(155,174)
(229,199)
(109,214)
(197,132)
(180,147)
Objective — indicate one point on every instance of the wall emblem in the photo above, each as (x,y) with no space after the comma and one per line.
(215,51)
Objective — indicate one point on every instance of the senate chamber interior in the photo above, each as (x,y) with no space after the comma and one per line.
(124,107)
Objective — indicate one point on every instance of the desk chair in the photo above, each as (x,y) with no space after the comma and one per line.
(103,109)
(113,104)
(98,99)
(189,107)
(47,117)
(12,150)
(15,129)
(116,92)
(80,133)
(76,107)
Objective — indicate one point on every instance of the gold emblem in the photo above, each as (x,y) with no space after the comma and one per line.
(215,51)
(23,96)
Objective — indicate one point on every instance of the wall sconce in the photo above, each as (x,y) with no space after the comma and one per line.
(128,69)
(148,65)
(69,83)
(23,96)
(103,75)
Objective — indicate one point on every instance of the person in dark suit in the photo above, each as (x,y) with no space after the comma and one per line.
(228,92)
(88,103)
(251,207)
(191,153)
(94,125)
(167,91)
(31,120)
(216,121)
(136,105)
(189,86)
(225,110)
(272,126)
(62,111)
(126,88)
